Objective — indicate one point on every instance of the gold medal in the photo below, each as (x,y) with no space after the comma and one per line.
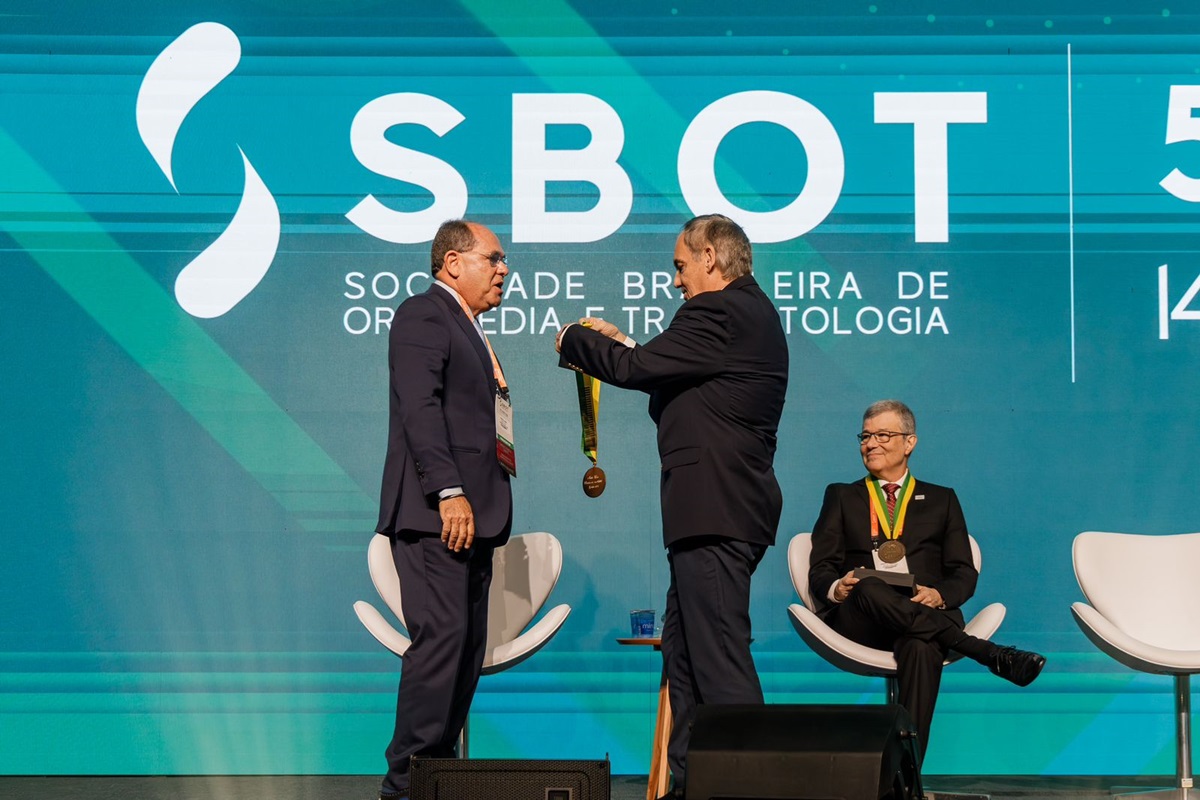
(594,482)
(891,551)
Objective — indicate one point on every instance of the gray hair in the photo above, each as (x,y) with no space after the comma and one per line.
(728,240)
(907,420)
(454,234)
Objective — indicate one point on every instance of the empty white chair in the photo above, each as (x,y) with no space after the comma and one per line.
(1142,595)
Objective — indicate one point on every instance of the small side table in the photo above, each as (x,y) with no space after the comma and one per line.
(660,775)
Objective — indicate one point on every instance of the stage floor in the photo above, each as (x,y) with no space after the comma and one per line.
(359,787)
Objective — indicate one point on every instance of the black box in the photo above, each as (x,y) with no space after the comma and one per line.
(507,779)
(904,582)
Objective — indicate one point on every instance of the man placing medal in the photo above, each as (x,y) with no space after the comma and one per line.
(888,526)
(716,380)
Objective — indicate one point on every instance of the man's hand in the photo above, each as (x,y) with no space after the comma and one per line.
(604,327)
(845,584)
(928,596)
(458,522)
(596,324)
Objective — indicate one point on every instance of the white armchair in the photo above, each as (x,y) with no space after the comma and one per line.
(849,655)
(524,572)
(1141,595)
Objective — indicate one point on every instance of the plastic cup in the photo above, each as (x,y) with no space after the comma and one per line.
(641,623)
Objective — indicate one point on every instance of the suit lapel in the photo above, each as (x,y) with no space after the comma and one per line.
(468,327)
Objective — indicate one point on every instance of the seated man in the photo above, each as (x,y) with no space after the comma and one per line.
(891,522)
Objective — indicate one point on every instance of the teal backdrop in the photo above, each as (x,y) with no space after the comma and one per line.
(963,205)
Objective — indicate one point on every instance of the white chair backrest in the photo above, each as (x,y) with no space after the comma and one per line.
(800,554)
(383,574)
(524,572)
(1144,585)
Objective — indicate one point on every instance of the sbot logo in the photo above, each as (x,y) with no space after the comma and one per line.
(232,266)
(227,270)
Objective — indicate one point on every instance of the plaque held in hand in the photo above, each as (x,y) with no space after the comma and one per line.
(904,582)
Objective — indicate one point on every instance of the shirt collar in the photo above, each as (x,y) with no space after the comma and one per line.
(899,482)
(453,293)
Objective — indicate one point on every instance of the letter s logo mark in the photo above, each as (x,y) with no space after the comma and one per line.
(227,270)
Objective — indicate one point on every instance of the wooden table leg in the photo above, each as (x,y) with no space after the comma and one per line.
(660,774)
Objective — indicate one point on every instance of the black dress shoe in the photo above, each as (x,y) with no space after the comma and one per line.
(1018,666)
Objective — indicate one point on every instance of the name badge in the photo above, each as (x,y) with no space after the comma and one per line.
(505,452)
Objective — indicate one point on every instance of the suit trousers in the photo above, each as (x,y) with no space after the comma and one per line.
(706,633)
(445,600)
(876,615)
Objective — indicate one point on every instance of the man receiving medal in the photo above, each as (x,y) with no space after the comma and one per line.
(445,501)
(717,377)
(894,524)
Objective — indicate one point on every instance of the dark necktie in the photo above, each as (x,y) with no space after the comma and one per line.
(890,490)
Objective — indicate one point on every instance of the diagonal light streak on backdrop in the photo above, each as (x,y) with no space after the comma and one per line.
(179,355)
(523,26)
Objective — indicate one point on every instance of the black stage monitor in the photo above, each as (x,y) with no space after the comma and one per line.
(507,779)
(802,752)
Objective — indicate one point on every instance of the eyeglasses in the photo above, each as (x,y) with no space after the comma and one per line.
(883,437)
(495,258)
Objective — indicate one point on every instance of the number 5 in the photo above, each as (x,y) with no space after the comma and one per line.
(1183,127)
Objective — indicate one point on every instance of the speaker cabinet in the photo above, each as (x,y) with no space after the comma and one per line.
(507,779)
(802,752)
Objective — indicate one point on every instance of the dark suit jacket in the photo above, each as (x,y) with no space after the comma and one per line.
(441,421)
(717,377)
(934,536)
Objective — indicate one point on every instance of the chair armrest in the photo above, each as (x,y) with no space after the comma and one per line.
(380,628)
(1129,651)
(984,624)
(843,653)
(510,654)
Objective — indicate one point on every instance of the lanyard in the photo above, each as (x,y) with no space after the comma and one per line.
(496,371)
(892,528)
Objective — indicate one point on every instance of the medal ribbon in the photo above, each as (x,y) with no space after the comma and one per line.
(496,371)
(589,409)
(892,528)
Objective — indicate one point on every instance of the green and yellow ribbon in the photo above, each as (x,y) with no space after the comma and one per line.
(589,409)
(893,527)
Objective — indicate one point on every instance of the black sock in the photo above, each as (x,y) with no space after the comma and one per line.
(974,648)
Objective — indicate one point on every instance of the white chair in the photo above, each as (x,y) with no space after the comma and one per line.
(524,572)
(849,655)
(1141,595)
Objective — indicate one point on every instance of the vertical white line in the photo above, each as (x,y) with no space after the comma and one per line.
(1071,202)
(1164,319)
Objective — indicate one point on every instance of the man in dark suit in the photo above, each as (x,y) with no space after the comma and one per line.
(717,377)
(445,501)
(891,522)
